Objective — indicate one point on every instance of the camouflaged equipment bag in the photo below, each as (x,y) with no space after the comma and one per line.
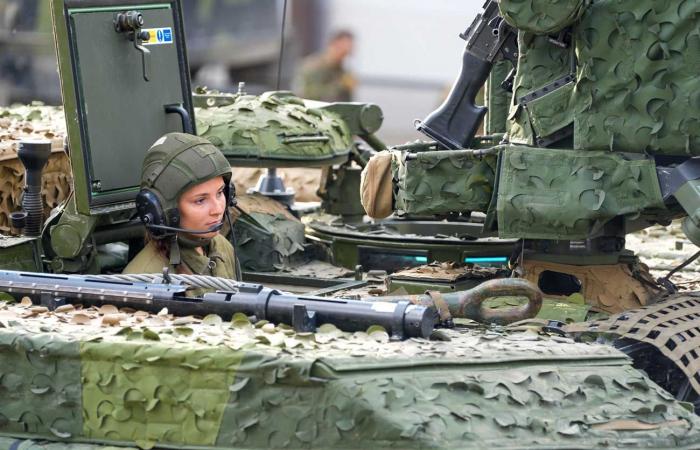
(563,194)
(632,86)
(540,64)
(541,16)
(638,88)
(440,182)
(376,186)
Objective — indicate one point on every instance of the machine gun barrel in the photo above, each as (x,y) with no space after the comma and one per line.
(454,124)
(304,313)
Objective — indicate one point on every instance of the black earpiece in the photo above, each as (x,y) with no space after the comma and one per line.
(150,211)
(230,193)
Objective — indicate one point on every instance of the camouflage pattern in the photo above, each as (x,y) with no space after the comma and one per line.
(633,85)
(131,378)
(268,236)
(275,128)
(652,49)
(539,63)
(440,182)
(497,99)
(541,16)
(28,444)
(34,121)
(559,194)
(542,193)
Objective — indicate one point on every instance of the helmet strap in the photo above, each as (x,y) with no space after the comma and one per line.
(175,255)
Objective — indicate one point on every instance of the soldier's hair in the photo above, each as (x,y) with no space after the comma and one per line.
(341,34)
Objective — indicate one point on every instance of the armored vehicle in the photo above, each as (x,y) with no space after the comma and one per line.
(95,360)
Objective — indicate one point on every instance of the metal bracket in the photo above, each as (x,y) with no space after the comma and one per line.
(547,89)
(131,22)
(47,299)
(303,320)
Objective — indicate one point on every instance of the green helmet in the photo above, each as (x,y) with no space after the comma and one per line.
(173,164)
(178,161)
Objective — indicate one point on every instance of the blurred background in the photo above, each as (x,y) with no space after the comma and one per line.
(405,53)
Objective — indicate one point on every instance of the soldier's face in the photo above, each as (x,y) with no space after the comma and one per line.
(202,206)
(342,48)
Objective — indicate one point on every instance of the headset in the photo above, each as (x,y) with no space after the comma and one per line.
(165,223)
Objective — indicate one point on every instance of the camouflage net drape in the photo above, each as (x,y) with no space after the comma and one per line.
(31,122)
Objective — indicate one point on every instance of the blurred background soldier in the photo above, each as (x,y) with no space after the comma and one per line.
(323,76)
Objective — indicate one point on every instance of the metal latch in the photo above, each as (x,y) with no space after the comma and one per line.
(131,22)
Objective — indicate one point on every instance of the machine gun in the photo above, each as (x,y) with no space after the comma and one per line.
(454,124)
(304,313)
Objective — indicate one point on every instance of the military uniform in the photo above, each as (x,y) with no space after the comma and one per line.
(218,260)
(175,163)
(321,79)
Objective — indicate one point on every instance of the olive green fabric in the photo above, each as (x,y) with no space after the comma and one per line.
(267,241)
(497,99)
(638,88)
(40,387)
(180,382)
(562,194)
(156,392)
(636,85)
(539,63)
(275,127)
(552,112)
(219,252)
(178,161)
(28,444)
(439,182)
(541,16)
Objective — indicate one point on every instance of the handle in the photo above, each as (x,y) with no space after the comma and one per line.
(472,301)
(184,116)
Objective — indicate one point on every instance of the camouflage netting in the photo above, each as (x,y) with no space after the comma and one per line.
(671,325)
(438,182)
(274,127)
(497,99)
(109,376)
(540,63)
(541,16)
(268,236)
(560,194)
(636,86)
(542,193)
(31,122)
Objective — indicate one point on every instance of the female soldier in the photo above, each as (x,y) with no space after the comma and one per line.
(185,192)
